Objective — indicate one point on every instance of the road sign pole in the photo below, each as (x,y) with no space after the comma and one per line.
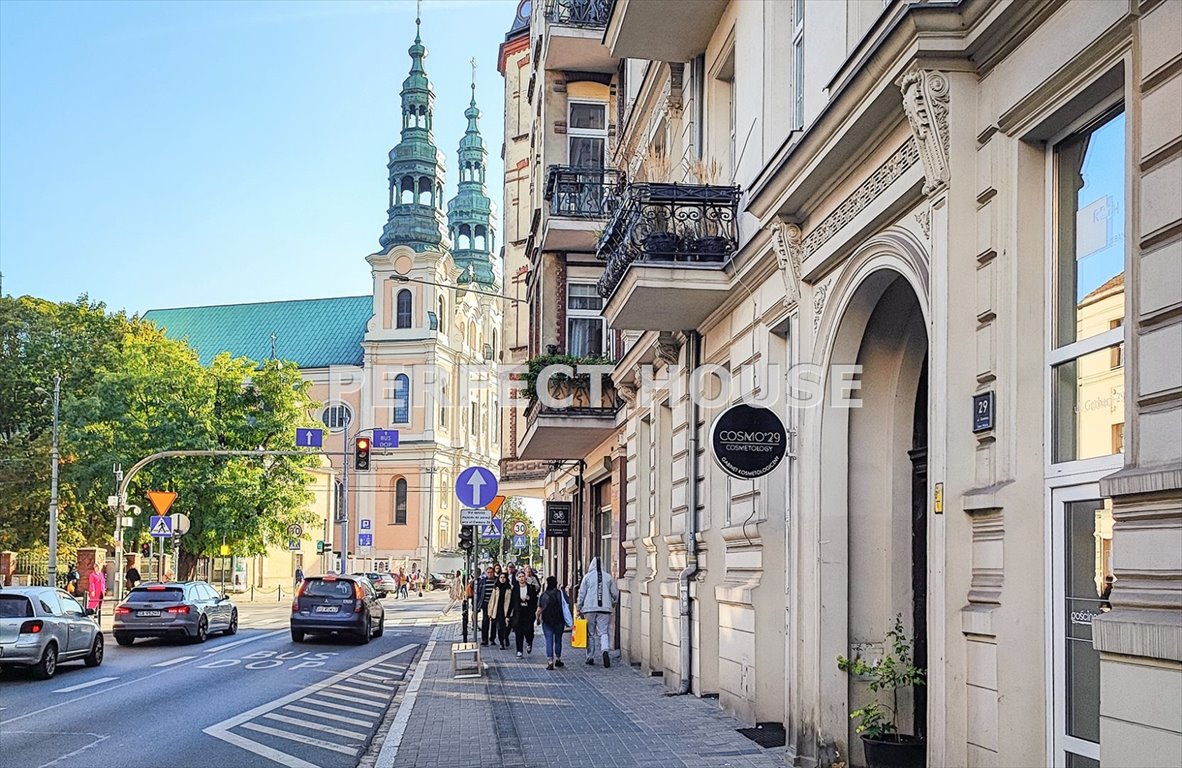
(345,502)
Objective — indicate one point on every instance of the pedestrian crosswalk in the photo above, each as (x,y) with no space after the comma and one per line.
(323,725)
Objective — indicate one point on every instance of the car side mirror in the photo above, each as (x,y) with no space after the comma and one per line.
(225,597)
(89,611)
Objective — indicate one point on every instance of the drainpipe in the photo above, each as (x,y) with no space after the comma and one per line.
(691,551)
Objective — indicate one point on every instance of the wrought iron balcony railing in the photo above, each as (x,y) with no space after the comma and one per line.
(668,224)
(583,193)
(579,13)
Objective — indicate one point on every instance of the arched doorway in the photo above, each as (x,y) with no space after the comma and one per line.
(874,560)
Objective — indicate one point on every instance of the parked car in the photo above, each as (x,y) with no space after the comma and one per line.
(43,626)
(382,583)
(337,604)
(440,581)
(189,610)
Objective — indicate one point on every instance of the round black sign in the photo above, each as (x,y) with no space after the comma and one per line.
(748,441)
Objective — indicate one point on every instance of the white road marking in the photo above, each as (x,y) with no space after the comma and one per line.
(243,641)
(80,686)
(177,660)
(367,675)
(380,686)
(362,691)
(342,707)
(397,730)
(316,726)
(282,757)
(352,699)
(329,715)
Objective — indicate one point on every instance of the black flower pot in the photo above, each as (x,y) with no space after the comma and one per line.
(661,245)
(711,248)
(895,751)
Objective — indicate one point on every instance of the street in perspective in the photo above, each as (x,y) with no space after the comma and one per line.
(591,384)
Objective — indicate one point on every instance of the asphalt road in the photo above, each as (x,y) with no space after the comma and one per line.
(254,699)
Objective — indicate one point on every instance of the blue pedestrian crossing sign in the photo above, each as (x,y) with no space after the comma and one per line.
(492,530)
(519,542)
(160,526)
(309,438)
(476,487)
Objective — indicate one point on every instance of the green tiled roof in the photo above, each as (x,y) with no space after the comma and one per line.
(313,333)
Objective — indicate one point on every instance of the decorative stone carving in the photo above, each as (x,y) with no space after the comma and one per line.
(925,100)
(884,175)
(668,348)
(819,303)
(627,393)
(924,218)
(788,242)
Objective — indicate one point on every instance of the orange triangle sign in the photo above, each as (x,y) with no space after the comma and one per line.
(161,501)
(494,506)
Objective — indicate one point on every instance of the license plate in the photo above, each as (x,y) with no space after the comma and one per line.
(325,609)
(148,613)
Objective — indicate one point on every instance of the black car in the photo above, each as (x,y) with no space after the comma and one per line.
(441,581)
(337,604)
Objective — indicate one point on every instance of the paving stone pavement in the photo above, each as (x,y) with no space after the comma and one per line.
(520,715)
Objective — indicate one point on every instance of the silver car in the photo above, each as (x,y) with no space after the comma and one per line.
(41,626)
(189,610)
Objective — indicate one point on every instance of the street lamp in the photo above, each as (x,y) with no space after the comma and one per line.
(51,569)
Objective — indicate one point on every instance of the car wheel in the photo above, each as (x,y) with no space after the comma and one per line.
(124,640)
(47,666)
(381,626)
(232,629)
(95,657)
(202,630)
(297,636)
(366,631)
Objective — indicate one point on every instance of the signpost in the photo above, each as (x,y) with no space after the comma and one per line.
(309,438)
(161,501)
(385,438)
(558,519)
(160,526)
(295,530)
(519,542)
(479,517)
(476,487)
(492,530)
(364,540)
(748,441)
(365,524)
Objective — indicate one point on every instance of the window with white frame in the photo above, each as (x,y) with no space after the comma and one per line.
(1088,383)
(401,395)
(336,416)
(585,328)
(586,133)
(797,64)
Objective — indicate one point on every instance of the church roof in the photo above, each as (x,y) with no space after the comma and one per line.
(312,333)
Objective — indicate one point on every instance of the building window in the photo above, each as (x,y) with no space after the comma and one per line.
(400,501)
(442,317)
(336,416)
(401,399)
(798,64)
(587,135)
(473,420)
(1087,371)
(402,318)
(585,336)
(443,401)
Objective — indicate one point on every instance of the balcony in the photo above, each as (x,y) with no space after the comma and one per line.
(662,30)
(573,36)
(665,250)
(579,201)
(575,418)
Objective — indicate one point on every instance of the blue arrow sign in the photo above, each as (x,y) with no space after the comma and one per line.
(476,487)
(310,438)
(519,542)
(365,539)
(492,530)
(541,538)
(160,526)
(385,438)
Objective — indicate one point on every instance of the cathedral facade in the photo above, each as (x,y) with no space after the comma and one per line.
(417,355)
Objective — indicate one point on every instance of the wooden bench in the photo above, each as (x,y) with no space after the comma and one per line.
(465,660)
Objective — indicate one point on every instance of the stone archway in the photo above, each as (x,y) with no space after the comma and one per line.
(873,528)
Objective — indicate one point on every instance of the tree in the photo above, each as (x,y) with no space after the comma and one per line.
(513,511)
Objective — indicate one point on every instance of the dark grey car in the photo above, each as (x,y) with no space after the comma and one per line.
(40,626)
(340,604)
(189,610)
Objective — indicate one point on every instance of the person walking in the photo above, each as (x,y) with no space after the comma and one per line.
(482,596)
(299,576)
(455,592)
(133,577)
(96,590)
(531,577)
(498,610)
(72,579)
(554,616)
(523,613)
(403,587)
(598,593)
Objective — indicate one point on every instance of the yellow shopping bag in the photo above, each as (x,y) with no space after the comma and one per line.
(578,637)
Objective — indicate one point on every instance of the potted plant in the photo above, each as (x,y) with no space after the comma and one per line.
(882,743)
(653,229)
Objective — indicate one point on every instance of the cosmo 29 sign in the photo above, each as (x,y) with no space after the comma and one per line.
(748,441)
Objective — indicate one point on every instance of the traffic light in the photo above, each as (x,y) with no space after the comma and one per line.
(361,453)
(146,549)
(466,535)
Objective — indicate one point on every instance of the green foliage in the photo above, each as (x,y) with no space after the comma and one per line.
(890,673)
(500,550)
(576,382)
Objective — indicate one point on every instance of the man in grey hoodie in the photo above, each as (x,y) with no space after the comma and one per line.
(597,594)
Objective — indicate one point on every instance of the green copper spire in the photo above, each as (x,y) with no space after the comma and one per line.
(470,216)
(415,215)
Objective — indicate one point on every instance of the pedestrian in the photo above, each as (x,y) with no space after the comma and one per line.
(531,577)
(418,579)
(299,575)
(403,587)
(72,579)
(512,573)
(523,613)
(455,592)
(133,577)
(498,610)
(598,593)
(554,616)
(482,597)
(96,591)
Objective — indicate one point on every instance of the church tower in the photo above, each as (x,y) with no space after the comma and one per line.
(470,215)
(415,215)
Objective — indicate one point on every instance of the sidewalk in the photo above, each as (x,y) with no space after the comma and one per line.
(519,715)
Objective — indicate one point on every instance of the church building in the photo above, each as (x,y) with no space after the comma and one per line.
(416,355)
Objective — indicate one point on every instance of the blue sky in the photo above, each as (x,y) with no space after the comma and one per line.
(160,154)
